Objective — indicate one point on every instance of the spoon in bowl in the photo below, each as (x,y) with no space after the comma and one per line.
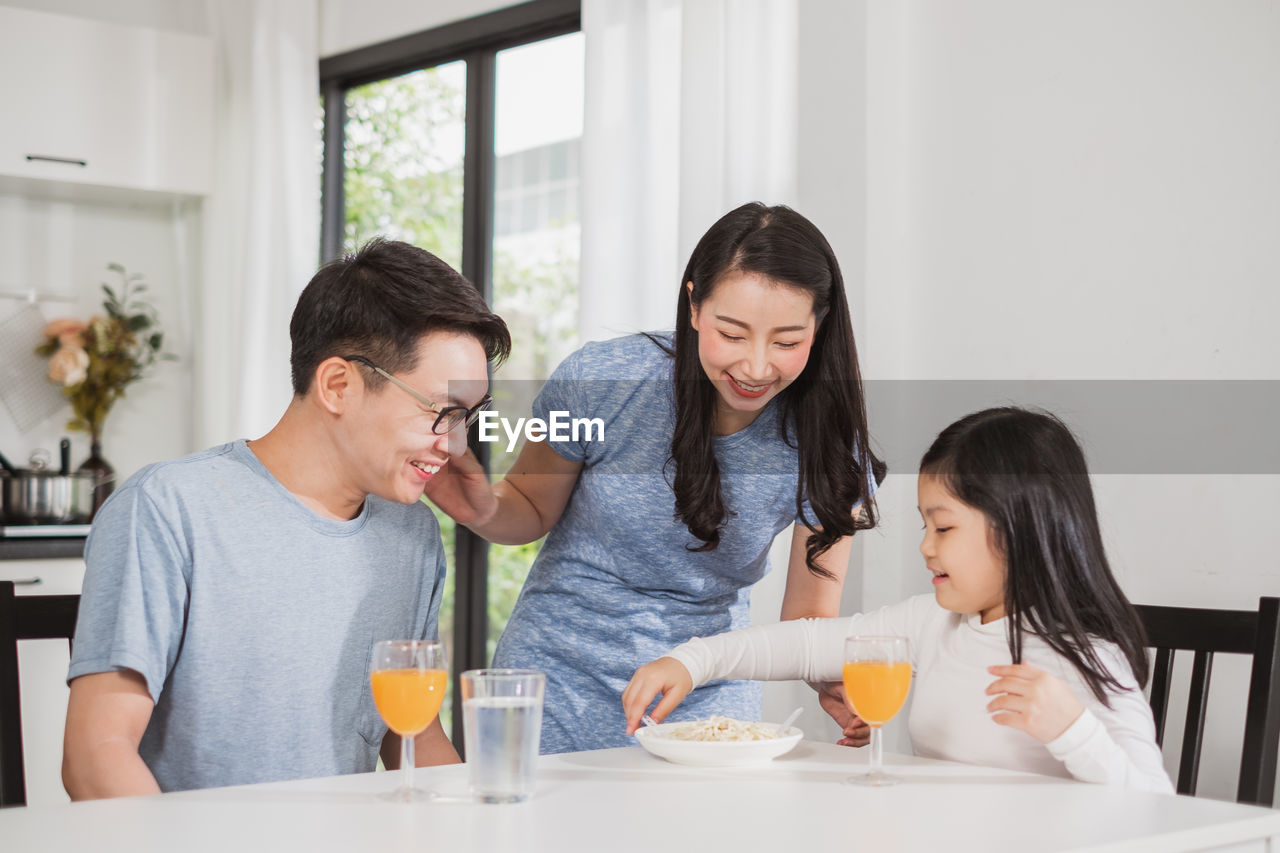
(786,724)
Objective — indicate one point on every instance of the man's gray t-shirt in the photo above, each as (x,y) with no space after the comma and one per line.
(251,617)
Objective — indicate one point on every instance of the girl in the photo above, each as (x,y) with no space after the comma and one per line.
(747,420)
(1019,574)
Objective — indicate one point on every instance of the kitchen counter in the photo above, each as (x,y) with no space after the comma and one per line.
(42,548)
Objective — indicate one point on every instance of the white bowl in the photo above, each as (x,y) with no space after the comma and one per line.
(701,753)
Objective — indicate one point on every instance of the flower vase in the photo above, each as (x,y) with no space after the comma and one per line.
(104,476)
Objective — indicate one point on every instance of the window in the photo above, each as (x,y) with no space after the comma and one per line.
(465,140)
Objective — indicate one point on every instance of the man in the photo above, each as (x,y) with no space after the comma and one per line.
(232,597)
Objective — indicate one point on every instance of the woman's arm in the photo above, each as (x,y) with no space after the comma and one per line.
(521,508)
(808,595)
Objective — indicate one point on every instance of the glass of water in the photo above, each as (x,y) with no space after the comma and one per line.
(502,719)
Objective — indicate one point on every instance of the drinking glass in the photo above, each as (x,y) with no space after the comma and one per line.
(502,719)
(408,679)
(877,677)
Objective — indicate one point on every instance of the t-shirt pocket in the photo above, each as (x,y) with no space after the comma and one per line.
(368,721)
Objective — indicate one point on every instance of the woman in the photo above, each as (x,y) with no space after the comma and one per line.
(747,419)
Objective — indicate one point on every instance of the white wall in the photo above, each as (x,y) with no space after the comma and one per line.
(349,24)
(63,248)
(184,16)
(50,243)
(1083,191)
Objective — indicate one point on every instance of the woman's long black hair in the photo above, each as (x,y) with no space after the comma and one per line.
(1026,473)
(823,408)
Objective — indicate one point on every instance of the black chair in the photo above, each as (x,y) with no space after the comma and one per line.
(28,617)
(1207,632)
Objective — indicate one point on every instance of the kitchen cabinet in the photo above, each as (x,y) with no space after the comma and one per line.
(42,678)
(102,105)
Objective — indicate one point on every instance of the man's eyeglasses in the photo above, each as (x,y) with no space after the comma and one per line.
(447,418)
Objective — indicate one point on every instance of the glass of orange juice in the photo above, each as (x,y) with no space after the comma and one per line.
(877,677)
(408,678)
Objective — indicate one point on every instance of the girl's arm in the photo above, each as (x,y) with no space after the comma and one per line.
(809,649)
(521,508)
(1113,746)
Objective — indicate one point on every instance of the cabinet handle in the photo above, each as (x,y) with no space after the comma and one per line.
(26,581)
(70,161)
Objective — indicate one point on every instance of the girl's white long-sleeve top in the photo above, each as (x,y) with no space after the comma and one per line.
(950,653)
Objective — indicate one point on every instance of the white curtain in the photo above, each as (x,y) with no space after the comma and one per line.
(262,221)
(690,111)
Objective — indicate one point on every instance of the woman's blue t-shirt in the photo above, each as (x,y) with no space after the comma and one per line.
(615,584)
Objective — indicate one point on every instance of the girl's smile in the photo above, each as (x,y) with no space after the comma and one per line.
(968,572)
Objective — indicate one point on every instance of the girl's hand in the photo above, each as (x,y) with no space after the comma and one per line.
(463,491)
(832,699)
(666,676)
(1030,699)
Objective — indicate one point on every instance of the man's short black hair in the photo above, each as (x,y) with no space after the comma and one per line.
(379,302)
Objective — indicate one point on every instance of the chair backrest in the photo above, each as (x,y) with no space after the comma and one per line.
(28,617)
(1206,632)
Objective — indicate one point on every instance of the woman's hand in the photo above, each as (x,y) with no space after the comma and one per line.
(1030,699)
(664,675)
(832,699)
(462,490)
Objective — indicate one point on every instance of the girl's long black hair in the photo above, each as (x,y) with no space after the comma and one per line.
(1026,473)
(823,408)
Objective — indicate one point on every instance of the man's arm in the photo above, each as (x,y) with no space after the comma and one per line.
(430,748)
(106,717)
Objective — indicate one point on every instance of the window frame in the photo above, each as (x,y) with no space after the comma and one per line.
(476,41)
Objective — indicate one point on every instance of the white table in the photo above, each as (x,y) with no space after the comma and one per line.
(624,799)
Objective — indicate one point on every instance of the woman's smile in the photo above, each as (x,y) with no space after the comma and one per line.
(748,390)
(749,328)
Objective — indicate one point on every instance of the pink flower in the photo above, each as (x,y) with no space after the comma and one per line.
(67,331)
(69,365)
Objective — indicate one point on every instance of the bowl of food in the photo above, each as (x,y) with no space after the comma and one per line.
(718,742)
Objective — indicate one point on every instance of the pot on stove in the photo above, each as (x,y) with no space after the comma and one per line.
(41,494)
